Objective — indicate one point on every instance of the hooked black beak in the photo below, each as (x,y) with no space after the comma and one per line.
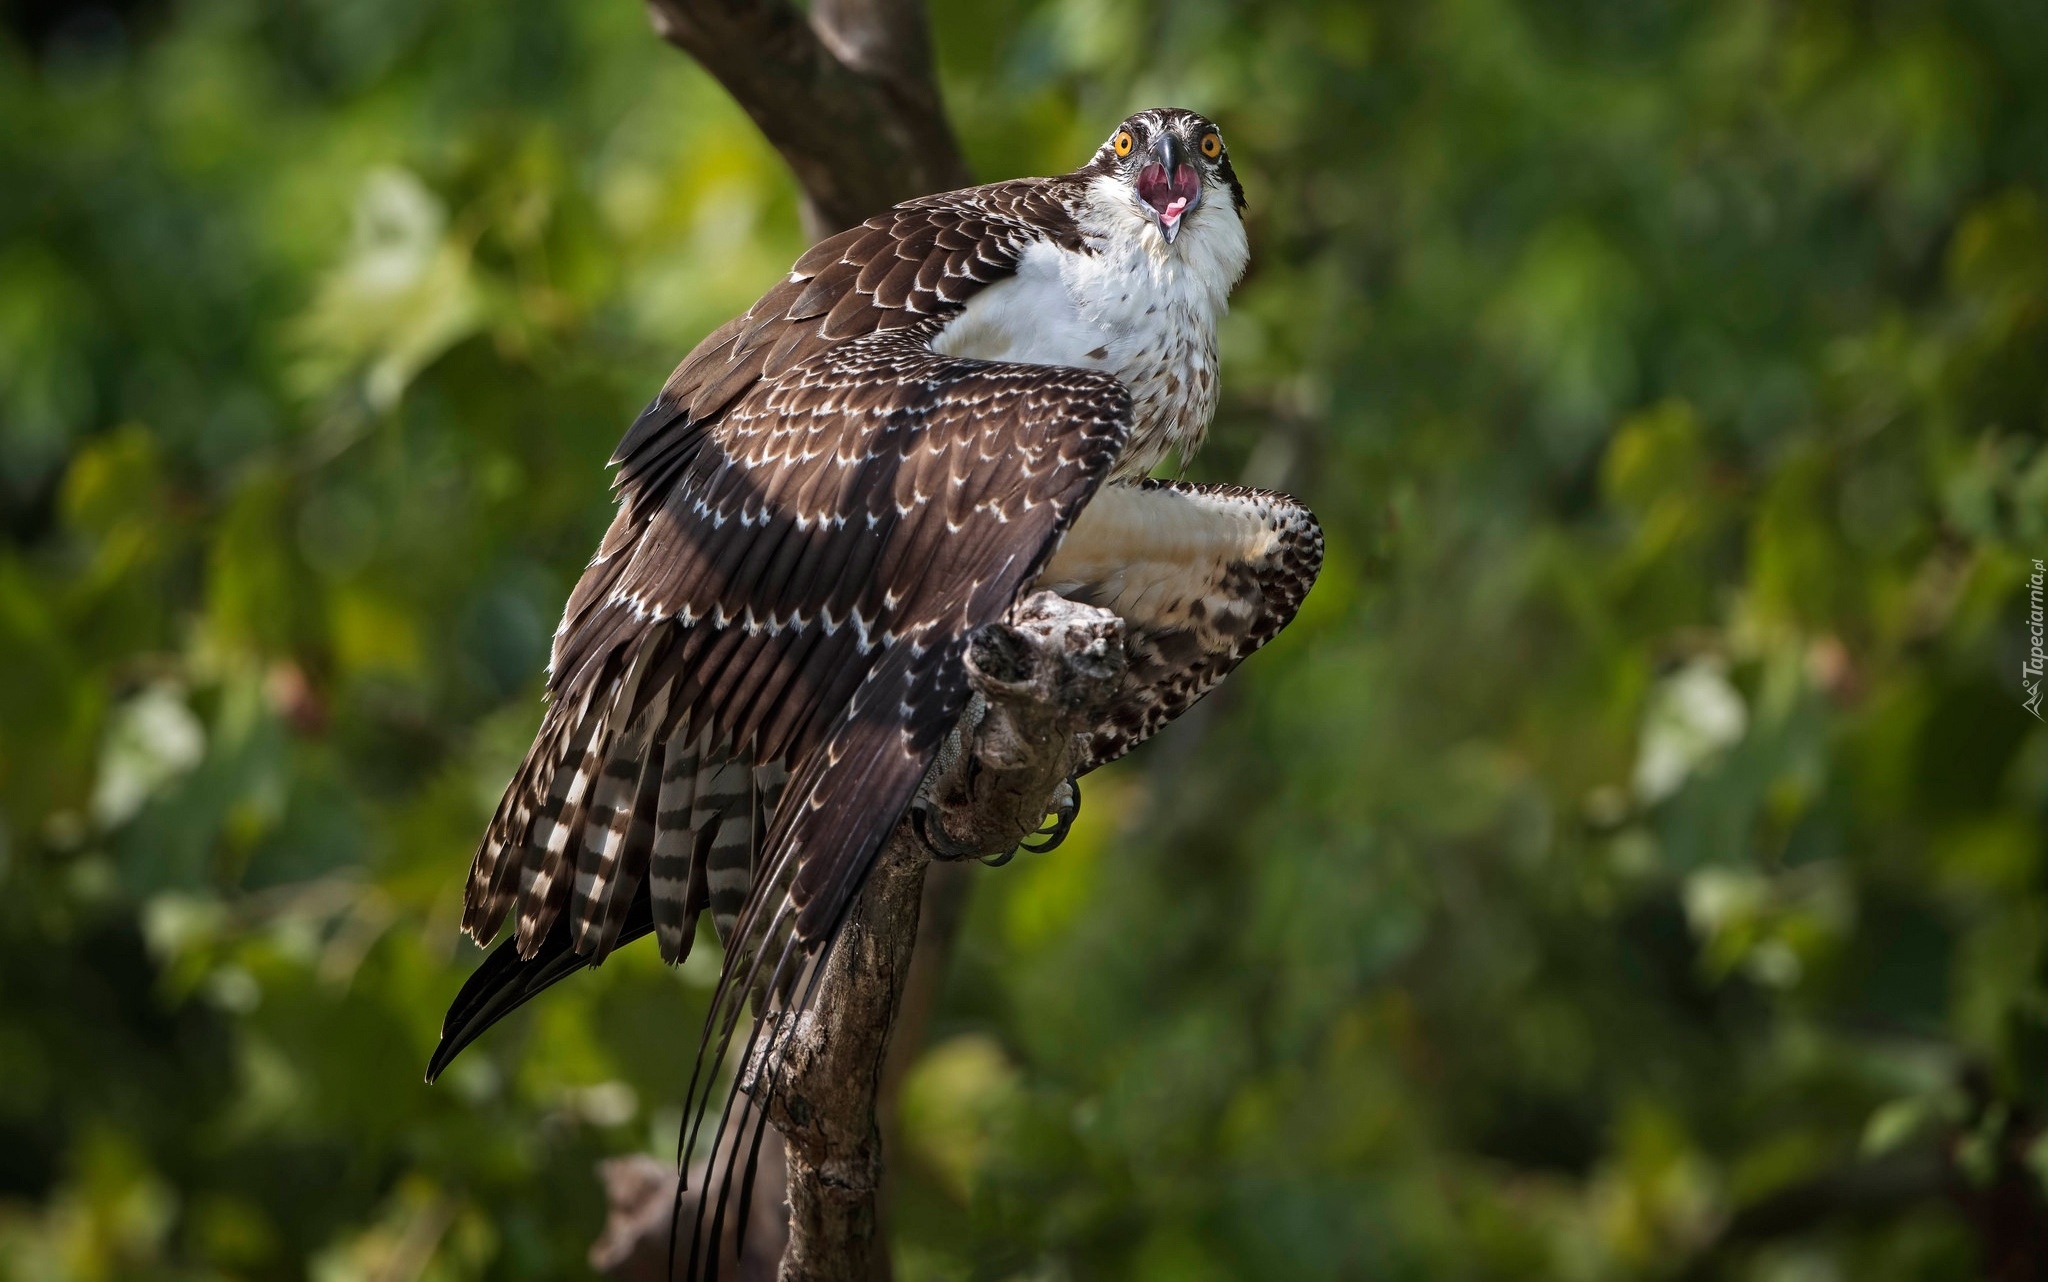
(1169,186)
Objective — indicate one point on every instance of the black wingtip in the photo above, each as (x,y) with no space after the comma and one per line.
(493,990)
(506,981)
(444,1055)
(451,1044)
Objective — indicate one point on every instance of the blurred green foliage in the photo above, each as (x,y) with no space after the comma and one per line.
(1630,865)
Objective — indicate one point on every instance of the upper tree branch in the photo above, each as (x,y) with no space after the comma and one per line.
(847,94)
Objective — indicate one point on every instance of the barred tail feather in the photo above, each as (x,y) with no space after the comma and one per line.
(629,887)
(599,864)
(725,806)
(546,859)
(496,875)
(672,870)
(493,883)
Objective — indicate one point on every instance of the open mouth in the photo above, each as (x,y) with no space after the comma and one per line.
(1169,195)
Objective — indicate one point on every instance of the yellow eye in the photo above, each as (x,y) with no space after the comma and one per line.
(1212,146)
(1123,143)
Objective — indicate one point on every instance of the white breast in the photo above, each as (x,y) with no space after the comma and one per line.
(1031,318)
(1134,307)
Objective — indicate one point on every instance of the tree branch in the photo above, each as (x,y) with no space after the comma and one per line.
(847,95)
(1040,680)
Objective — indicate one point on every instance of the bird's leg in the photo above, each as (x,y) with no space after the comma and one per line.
(1065,805)
(1040,680)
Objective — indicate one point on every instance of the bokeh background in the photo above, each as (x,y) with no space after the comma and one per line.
(1631,864)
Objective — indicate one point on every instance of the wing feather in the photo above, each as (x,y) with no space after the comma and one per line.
(816,506)
(715,395)
(944,566)
(1202,575)
(798,343)
(831,284)
(855,313)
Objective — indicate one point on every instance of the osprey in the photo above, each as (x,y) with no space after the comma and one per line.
(951,405)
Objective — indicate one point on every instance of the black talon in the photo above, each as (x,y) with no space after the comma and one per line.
(1058,823)
(1061,820)
(934,835)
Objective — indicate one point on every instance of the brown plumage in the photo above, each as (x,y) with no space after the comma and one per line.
(934,413)
(783,504)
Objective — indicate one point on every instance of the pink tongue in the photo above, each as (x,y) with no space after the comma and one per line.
(1170,194)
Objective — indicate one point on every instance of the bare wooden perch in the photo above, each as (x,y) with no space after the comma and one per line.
(1041,679)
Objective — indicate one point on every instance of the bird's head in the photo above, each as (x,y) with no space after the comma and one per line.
(1165,164)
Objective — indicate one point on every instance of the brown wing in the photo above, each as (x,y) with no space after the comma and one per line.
(910,266)
(1202,575)
(824,571)
(902,273)
(812,514)
(816,510)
